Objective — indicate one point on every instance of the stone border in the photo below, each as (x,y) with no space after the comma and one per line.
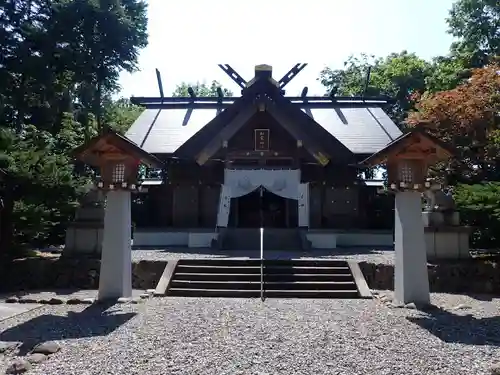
(78,301)
(359,279)
(166,278)
(38,354)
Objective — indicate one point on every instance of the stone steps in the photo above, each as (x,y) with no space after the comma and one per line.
(299,278)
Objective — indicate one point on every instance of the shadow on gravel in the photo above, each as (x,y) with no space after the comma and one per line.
(95,320)
(460,329)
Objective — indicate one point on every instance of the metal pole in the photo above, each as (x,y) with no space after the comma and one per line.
(261,247)
(262,264)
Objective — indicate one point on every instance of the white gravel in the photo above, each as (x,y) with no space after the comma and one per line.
(367,255)
(243,336)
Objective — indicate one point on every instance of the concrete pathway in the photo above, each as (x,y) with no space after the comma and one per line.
(8,310)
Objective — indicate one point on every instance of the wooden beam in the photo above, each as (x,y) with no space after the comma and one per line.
(225,134)
(290,124)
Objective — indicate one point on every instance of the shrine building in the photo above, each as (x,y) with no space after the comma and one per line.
(288,164)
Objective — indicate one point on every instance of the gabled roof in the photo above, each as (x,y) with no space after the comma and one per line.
(339,125)
(363,130)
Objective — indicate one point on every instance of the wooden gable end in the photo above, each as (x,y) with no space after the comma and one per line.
(414,145)
(263,133)
(111,147)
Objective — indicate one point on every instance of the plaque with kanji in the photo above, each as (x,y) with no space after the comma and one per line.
(261,139)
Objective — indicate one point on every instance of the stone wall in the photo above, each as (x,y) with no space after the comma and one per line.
(468,276)
(66,273)
(472,276)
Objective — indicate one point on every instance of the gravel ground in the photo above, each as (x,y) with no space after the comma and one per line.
(243,336)
(374,256)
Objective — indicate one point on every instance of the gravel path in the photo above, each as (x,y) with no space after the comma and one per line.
(243,336)
(367,255)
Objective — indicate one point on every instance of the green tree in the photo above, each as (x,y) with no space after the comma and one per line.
(40,190)
(59,64)
(447,72)
(479,207)
(120,114)
(476,25)
(200,89)
(101,38)
(399,76)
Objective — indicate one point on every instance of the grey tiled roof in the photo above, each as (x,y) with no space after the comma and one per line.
(362,130)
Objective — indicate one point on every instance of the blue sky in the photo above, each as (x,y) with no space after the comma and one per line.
(188,38)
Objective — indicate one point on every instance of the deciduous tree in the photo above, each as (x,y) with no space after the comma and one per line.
(467,118)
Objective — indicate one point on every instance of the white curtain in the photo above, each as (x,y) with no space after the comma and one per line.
(240,182)
(282,182)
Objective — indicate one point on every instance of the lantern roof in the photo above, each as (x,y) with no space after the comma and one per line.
(111,145)
(415,144)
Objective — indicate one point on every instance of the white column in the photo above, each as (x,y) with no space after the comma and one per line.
(115,279)
(411,281)
(303,203)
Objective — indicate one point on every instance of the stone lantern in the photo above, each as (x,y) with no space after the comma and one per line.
(118,160)
(408,159)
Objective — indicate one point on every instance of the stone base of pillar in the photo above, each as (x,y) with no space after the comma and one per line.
(115,278)
(411,283)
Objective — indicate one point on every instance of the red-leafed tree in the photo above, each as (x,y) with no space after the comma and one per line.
(468,119)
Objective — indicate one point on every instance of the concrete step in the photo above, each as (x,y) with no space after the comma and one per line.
(293,278)
(215,284)
(184,268)
(231,293)
(267,262)
(270,285)
(295,269)
(209,276)
(277,269)
(312,293)
(309,285)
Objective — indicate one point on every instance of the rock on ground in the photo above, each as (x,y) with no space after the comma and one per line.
(244,336)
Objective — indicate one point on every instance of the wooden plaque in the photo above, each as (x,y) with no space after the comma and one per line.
(261,139)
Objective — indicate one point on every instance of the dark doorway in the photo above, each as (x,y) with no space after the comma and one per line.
(261,208)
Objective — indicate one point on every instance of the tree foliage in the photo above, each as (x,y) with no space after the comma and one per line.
(479,208)
(399,76)
(201,89)
(467,118)
(476,25)
(59,65)
(120,114)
